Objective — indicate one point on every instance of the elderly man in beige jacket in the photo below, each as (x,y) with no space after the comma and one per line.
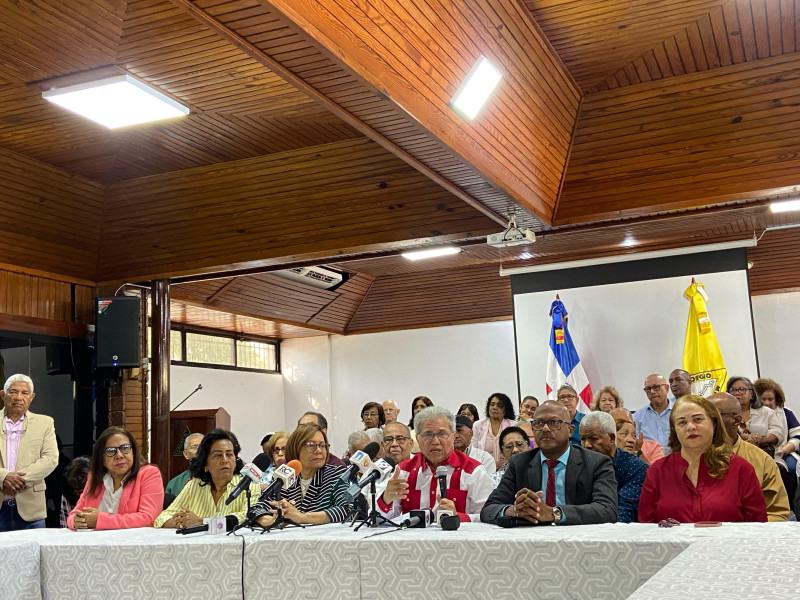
(28,454)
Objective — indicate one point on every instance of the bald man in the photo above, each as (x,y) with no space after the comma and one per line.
(653,420)
(769,476)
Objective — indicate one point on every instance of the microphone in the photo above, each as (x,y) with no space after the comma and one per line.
(253,471)
(283,476)
(418,519)
(380,470)
(361,461)
(215,525)
(449,522)
(441,475)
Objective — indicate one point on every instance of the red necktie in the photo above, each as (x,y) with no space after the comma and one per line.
(550,495)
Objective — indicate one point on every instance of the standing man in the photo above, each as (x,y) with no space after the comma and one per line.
(190,446)
(556,482)
(391,410)
(462,441)
(680,382)
(28,454)
(653,421)
(568,398)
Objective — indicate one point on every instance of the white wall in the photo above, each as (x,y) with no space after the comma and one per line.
(625,331)
(253,400)
(777,323)
(451,365)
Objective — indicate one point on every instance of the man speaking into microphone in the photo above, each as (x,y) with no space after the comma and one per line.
(414,485)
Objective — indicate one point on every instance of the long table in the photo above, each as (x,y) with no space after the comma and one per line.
(611,561)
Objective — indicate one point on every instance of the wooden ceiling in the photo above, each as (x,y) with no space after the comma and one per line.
(321,132)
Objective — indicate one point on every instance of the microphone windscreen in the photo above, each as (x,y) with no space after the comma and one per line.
(441,471)
(262,461)
(450,523)
(230,522)
(389,461)
(372,449)
(296,465)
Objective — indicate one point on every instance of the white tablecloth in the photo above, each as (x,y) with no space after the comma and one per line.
(477,561)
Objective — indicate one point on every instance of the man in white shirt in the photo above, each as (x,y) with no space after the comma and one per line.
(462,441)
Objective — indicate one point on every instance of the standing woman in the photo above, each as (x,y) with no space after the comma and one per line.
(762,426)
(486,432)
(120,492)
(373,416)
(417,404)
(701,480)
(317,495)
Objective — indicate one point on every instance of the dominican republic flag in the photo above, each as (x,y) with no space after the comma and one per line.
(563,364)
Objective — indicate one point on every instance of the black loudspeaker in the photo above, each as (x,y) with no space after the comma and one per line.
(117,332)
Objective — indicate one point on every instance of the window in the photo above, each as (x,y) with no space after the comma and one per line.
(256,355)
(209,349)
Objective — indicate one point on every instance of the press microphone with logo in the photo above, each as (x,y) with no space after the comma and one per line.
(361,461)
(251,472)
(213,526)
(446,519)
(380,470)
(283,477)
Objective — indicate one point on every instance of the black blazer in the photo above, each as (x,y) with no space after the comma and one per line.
(590,486)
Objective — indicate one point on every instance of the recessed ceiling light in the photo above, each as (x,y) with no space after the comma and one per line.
(431,253)
(116,102)
(785,206)
(476,88)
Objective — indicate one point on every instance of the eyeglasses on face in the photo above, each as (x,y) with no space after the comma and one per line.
(279,449)
(369,414)
(552,424)
(653,388)
(112,450)
(400,439)
(427,436)
(511,445)
(739,390)
(566,398)
(313,446)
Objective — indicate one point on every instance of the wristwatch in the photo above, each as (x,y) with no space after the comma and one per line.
(558,515)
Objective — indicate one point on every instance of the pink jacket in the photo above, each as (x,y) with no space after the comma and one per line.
(481,428)
(141,502)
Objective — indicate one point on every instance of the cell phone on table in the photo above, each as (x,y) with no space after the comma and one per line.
(708,524)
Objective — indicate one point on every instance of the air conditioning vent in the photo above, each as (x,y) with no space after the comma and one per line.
(318,277)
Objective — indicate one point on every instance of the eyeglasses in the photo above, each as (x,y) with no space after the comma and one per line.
(553,424)
(400,439)
(112,450)
(277,450)
(564,398)
(312,446)
(739,390)
(369,414)
(511,445)
(653,388)
(429,435)
(193,447)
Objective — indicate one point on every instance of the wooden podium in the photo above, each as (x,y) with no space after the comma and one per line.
(184,422)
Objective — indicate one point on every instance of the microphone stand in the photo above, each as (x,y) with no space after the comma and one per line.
(247,522)
(197,389)
(374,518)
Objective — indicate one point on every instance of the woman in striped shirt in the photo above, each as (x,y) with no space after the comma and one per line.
(318,495)
(214,475)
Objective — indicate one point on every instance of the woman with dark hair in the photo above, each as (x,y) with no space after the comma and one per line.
(215,473)
(75,475)
(760,424)
(120,492)
(373,416)
(469,410)
(486,432)
(417,405)
(701,480)
(314,498)
(513,440)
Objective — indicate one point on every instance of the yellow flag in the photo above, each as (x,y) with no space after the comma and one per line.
(702,357)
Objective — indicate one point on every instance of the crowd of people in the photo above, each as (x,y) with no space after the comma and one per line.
(732,456)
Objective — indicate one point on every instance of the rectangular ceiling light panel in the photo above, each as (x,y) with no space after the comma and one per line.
(476,88)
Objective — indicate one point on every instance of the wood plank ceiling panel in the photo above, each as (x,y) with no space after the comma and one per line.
(699,139)
(776,262)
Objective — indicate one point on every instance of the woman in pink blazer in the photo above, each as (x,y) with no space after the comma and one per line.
(486,432)
(120,492)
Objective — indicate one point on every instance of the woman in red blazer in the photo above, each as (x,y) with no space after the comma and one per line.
(120,492)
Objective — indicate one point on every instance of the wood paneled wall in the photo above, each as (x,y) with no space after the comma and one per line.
(49,220)
(776,262)
(708,137)
(41,297)
(432,298)
(322,199)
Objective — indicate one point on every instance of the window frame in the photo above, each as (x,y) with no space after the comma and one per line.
(182,331)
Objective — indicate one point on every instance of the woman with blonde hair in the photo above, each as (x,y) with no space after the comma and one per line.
(606,399)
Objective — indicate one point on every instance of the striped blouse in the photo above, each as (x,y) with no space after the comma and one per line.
(326,493)
(198,499)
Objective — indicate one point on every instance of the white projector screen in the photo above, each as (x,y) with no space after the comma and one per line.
(626,330)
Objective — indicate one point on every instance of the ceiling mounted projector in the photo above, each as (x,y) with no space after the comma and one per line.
(512,236)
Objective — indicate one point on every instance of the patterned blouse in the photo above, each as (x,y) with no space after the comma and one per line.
(326,493)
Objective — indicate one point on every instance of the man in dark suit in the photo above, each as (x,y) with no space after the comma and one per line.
(555,483)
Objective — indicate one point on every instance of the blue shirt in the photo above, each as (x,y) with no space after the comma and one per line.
(654,426)
(575,438)
(561,472)
(630,472)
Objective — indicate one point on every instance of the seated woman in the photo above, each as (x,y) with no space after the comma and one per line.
(701,480)
(214,475)
(276,450)
(606,399)
(527,407)
(120,492)
(647,450)
(513,440)
(314,498)
(760,424)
